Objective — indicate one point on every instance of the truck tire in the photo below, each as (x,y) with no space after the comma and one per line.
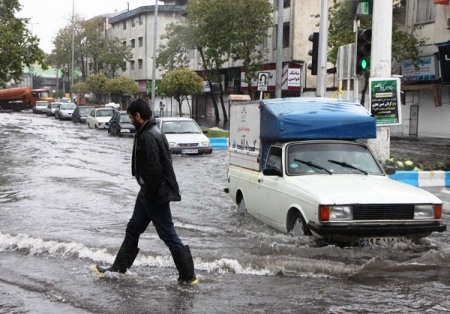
(296,224)
(241,207)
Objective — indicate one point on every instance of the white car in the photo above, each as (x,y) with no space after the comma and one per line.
(184,136)
(65,110)
(40,106)
(99,118)
(52,107)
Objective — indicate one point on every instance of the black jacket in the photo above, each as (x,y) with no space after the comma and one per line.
(152,161)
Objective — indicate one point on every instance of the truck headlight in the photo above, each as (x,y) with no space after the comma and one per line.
(428,211)
(335,213)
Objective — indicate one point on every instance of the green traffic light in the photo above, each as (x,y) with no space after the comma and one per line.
(364,64)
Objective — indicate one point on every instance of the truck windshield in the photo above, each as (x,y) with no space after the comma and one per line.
(336,158)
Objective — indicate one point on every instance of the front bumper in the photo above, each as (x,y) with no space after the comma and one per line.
(377,230)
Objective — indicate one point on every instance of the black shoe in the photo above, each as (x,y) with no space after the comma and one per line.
(124,259)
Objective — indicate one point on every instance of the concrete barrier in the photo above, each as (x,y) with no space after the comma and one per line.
(423,178)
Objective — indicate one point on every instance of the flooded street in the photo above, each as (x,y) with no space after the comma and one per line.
(66,194)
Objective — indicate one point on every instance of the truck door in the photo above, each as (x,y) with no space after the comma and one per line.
(270,187)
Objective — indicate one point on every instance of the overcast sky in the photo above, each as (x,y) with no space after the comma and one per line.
(48,16)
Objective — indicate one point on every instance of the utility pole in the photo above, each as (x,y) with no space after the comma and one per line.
(323,44)
(380,65)
(279,60)
(155,41)
(73,50)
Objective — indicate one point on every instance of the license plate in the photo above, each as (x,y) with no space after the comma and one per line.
(381,241)
(189,151)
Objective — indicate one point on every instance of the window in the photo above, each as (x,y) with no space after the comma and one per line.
(286,3)
(124,43)
(141,20)
(133,43)
(286,34)
(124,24)
(140,64)
(132,64)
(141,41)
(274,158)
(426,11)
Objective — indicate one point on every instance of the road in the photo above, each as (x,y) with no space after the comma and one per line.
(66,194)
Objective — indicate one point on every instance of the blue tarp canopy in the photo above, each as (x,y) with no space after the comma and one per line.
(285,119)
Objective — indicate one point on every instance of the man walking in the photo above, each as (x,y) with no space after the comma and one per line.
(152,167)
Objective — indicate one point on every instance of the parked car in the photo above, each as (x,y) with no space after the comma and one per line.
(80,113)
(120,124)
(64,112)
(99,118)
(40,106)
(184,136)
(51,108)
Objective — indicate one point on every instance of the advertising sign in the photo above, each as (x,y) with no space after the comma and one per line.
(384,97)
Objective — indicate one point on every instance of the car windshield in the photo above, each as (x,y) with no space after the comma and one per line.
(124,118)
(85,111)
(177,127)
(56,105)
(42,103)
(331,158)
(67,106)
(104,113)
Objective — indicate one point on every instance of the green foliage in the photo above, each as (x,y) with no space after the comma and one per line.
(405,45)
(410,164)
(174,49)
(180,84)
(80,88)
(96,84)
(18,47)
(216,132)
(121,86)
(115,56)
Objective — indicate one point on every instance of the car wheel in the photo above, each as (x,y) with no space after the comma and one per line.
(297,225)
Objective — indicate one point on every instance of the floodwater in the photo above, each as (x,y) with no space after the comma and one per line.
(66,194)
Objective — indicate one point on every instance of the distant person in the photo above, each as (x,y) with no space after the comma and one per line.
(153,170)
(161,109)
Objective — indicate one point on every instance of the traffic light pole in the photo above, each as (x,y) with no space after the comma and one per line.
(323,44)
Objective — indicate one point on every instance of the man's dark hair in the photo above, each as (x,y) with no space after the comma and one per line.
(141,106)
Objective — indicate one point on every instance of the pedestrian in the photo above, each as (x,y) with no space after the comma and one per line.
(161,109)
(152,167)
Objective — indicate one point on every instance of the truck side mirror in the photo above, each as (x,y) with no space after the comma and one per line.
(389,170)
(272,172)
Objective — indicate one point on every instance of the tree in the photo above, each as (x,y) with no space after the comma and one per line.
(18,47)
(96,84)
(404,44)
(180,84)
(219,30)
(120,88)
(115,56)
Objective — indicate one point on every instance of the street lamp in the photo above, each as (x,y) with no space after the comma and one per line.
(155,34)
(73,49)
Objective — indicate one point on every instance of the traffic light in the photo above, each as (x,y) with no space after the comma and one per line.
(314,52)
(363,48)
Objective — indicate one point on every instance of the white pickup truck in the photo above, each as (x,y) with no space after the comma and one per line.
(300,165)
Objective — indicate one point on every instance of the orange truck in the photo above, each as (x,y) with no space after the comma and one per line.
(22,98)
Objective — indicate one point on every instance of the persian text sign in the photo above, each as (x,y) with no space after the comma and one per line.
(384,98)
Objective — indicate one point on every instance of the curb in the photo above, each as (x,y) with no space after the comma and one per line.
(219,142)
(423,178)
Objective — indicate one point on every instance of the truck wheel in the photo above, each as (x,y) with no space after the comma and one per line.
(242,208)
(297,225)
